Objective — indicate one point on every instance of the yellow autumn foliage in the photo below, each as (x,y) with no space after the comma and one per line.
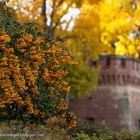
(107,26)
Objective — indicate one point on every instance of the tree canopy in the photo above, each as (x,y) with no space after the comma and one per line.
(107,26)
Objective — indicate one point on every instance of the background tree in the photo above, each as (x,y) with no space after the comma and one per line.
(104,31)
(49,13)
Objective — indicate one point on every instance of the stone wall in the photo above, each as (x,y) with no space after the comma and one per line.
(116,101)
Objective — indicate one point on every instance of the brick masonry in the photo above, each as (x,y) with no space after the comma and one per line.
(116,101)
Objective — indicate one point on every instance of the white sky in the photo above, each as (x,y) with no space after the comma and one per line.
(72,13)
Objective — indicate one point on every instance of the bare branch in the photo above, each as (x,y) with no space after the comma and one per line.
(64,12)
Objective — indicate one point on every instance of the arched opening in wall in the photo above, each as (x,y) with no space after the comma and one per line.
(90,119)
(103,78)
(123,63)
(108,62)
(90,97)
(108,78)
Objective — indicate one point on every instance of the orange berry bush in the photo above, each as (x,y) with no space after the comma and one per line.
(33,67)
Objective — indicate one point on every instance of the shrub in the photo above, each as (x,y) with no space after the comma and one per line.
(32,70)
(108,136)
(91,131)
(17,130)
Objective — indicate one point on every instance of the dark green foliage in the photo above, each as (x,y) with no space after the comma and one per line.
(83,79)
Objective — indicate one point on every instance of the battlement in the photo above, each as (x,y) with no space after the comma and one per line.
(120,70)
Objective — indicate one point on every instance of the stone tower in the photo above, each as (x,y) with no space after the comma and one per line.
(116,101)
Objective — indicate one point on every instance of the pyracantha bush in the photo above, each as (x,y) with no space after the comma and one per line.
(33,67)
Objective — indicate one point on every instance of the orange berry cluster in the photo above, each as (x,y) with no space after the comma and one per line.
(33,67)
(23,63)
